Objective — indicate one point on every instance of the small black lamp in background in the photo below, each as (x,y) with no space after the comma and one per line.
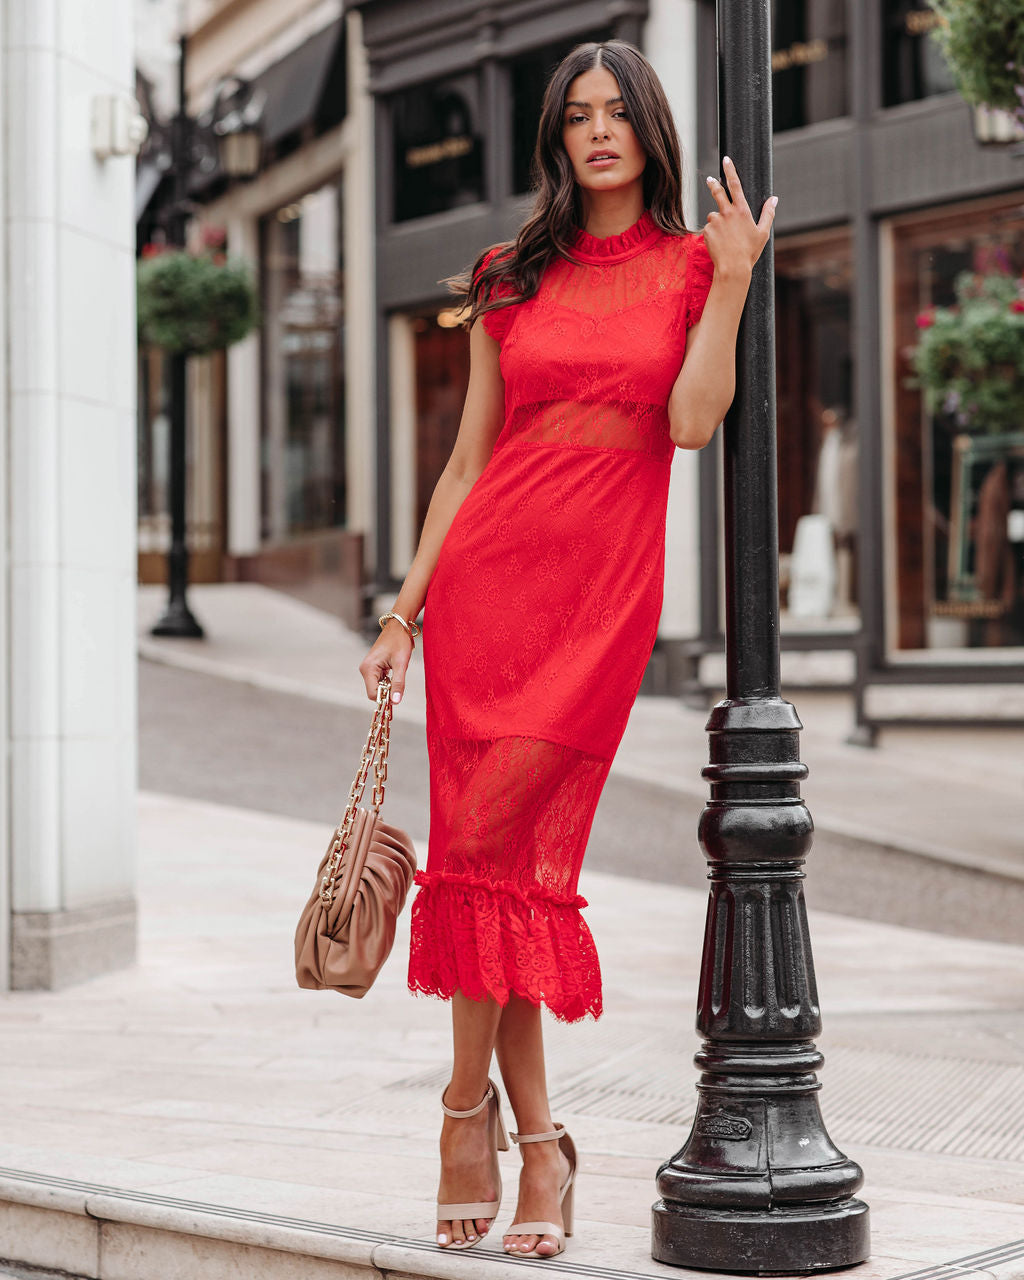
(227,138)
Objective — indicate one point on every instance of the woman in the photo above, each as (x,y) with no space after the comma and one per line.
(601,338)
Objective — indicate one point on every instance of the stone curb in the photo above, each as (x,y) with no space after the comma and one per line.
(114,1227)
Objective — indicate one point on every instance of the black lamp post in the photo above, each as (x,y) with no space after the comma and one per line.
(758,1186)
(233,141)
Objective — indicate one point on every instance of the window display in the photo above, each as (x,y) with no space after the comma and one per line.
(809,63)
(437,146)
(959,430)
(303,436)
(912,64)
(817,432)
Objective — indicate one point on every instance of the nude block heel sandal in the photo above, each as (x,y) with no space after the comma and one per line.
(499,1135)
(566,1195)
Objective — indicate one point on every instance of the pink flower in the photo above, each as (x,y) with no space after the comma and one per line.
(1017,305)
(925,319)
(213,236)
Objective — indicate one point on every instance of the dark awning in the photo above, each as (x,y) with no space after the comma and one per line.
(295,85)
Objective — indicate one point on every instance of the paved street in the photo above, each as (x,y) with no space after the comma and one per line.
(233,741)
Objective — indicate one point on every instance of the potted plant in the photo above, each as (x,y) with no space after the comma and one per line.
(983,42)
(193,303)
(969,360)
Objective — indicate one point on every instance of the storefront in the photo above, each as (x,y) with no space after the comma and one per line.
(901,558)
(278,475)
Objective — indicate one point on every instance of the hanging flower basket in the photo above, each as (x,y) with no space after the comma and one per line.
(193,304)
(983,42)
(969,360)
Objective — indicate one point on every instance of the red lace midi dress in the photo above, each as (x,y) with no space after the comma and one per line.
(541,616)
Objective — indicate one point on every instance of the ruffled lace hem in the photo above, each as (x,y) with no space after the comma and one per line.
(487,938)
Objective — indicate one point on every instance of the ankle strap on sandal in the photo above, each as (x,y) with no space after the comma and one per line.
(550,1136)
(473,1111)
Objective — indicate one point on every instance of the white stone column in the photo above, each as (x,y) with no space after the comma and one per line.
(5,851)
(70,440)
(360,296)
(670,43)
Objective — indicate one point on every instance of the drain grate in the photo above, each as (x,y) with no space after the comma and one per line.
(947,1106)
(943,1103)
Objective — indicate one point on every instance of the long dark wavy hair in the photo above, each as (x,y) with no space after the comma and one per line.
(513,273)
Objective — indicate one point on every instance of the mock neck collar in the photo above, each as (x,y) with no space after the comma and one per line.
(604,249)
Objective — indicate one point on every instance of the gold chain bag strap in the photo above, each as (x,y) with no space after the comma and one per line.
(347,928)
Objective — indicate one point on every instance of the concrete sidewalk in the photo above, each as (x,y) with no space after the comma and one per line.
(200,1118)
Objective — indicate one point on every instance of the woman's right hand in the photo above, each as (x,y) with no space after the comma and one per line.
(391,652)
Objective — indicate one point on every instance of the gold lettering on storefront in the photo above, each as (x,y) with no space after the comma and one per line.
(434,152)
(800,54)
(920,21)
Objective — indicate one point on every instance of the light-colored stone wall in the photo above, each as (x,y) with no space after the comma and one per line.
(670,43)
(69,315)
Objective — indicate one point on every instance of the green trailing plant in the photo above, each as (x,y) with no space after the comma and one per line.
(969,360)
(194,303)
(983,42)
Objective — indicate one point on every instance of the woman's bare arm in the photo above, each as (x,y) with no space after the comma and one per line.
(706,384)
(482,418)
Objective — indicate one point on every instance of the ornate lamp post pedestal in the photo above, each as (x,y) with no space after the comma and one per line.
(759,1185)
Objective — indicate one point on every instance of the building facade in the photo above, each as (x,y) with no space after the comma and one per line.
(280,474)
(902,561)
(901,555)
(67,501)
(902,565)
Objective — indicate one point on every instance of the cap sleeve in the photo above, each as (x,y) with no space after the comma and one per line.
(497,323)
(700,272)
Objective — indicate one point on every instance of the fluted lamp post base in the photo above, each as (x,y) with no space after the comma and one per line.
(826,1238)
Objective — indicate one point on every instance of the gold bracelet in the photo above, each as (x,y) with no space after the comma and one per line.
(411,628)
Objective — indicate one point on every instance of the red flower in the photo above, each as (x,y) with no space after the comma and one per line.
(925,319)
(1017,305)
(153,250)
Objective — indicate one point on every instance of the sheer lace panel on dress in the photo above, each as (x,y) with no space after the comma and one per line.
(498,912)
(642,428)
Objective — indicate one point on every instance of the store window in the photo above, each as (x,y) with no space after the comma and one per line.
(958,481)
(809,62)
(205,464)
(428,358)
(442,379)
(437,146)
(817,433)
(303,428)
(529,74)
(912,65)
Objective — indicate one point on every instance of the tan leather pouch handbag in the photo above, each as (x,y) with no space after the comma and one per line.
(347,928)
